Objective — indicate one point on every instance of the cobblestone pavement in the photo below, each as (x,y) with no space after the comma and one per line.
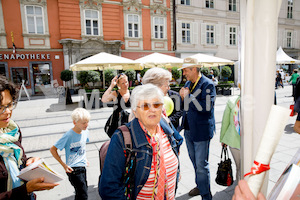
(42,126)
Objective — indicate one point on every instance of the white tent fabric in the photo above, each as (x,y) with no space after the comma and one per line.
(209,61)
(160,60)
(283,58)
(104,60)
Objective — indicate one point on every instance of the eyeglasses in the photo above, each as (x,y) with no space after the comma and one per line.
(147,106)
(10,106)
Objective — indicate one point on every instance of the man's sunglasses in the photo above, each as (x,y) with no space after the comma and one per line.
(147,106)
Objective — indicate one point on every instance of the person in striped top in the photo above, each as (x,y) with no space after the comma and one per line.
(154,143)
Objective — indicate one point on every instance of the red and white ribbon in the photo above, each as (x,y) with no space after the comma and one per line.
(258,168)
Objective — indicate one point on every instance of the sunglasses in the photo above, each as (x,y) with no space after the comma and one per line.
(147,106)
(120,75)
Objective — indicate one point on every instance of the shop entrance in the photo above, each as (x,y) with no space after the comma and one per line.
(3,69)
(41,73)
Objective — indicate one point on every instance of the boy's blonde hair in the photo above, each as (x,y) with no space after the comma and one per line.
(80,114)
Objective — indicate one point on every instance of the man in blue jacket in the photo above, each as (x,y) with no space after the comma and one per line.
(198,123)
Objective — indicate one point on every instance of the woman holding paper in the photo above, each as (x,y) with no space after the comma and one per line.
(12,155)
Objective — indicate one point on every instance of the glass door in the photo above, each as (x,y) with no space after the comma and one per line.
(41,77)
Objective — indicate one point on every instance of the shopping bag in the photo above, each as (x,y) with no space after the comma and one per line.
(224,173)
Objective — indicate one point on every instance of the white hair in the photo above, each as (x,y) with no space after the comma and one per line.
(145,92)
(157,76)
(80,114)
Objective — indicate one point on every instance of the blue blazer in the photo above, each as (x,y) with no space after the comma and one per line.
(198,110)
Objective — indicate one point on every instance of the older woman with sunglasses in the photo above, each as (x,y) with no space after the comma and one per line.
(121,100)
(12,155)
(154,148)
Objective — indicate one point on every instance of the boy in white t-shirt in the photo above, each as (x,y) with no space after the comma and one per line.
(74,143)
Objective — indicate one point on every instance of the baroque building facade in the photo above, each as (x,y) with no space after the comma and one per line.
(212,27)
(40,38)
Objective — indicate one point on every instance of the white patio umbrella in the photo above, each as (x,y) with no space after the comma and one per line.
(160,60)
(210,61)
(102,61)
(283,58)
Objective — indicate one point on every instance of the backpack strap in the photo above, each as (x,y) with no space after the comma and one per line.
(127,140)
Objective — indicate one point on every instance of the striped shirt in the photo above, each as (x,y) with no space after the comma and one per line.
(171,163)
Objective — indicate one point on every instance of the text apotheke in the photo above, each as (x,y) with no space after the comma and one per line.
(27,56)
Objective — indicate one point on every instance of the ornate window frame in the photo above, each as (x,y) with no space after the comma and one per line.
(133,7)
(91,5)
(159,9)
(33,40)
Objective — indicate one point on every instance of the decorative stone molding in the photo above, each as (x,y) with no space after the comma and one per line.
(132,5)
(34,2)
(159,9)
(76,50)
(91,4)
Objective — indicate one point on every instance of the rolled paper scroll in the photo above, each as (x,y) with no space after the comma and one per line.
(276,123)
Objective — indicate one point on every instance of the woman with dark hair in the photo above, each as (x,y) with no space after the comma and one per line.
(12,155)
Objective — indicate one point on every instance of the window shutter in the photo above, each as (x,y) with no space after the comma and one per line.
(178,31)
(237,35)
(218,34)
(195,33)
(165,28)
(203,33)
(285,39)
(279,38)
(227,35)
(295,40)
(152,27)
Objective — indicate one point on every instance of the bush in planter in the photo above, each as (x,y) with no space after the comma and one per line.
(226,72)
(144,71)
(88,76)
(216,71)
(130,73)
(204,71)
(82,77)
(176,74)
(67,75)
(93,76)
(109,74)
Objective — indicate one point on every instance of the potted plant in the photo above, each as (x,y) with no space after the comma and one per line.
(144,71)
(93,76)
(67,75)
(109,74)
(216,71)
(82,78)
(204,71)
(130,73)
(226,72)
(176,74)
